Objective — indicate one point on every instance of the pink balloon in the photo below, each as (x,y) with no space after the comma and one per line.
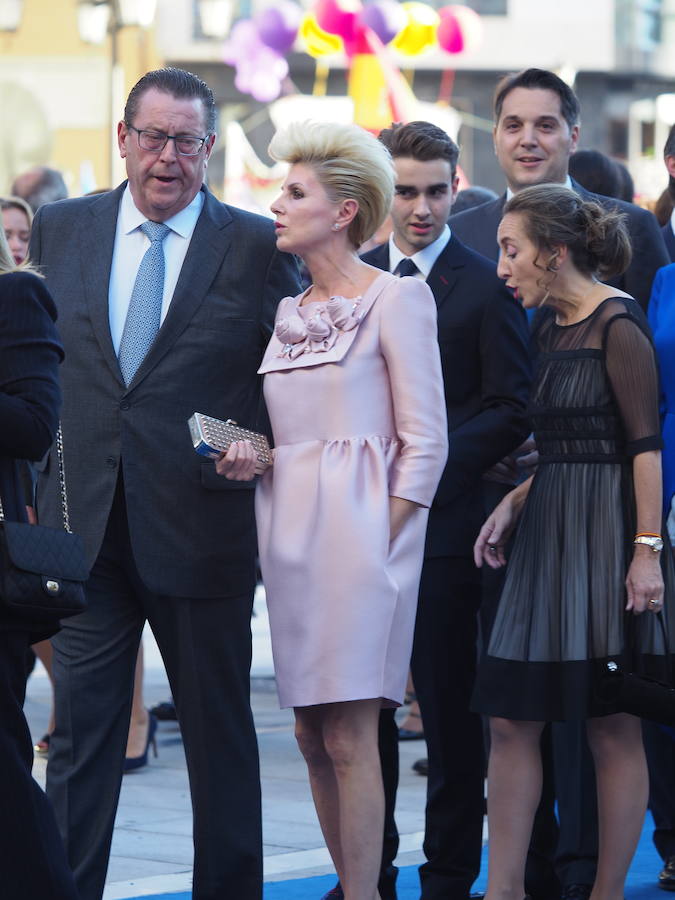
(460,29)
(338,17)
(278,25)
(263,88)
(385,17)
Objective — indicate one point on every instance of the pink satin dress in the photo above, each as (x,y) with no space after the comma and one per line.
(355,396)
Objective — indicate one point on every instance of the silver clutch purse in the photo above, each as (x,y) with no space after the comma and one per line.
(211,437)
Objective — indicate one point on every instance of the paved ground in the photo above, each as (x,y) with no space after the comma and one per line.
(152,844)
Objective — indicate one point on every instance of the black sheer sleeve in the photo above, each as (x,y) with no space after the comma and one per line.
(633,374)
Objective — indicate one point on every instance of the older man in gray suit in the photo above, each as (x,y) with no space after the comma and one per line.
(166,300)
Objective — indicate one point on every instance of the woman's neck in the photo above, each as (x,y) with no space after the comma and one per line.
(576,298)
(333,274)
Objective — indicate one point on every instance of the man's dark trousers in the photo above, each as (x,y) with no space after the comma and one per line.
(221,749)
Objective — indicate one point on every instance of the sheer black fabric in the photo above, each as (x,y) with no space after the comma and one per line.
(594,405)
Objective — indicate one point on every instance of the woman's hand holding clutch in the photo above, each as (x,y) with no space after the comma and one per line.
(238,462)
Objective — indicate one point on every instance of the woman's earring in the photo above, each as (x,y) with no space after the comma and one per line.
(336,227)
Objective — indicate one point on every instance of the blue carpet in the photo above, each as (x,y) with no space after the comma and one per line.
(639,886)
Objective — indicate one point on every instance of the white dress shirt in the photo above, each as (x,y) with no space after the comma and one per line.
(130,246)
(424,259)
(567,183)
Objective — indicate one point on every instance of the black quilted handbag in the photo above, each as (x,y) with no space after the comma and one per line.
(638,694)
(42,570)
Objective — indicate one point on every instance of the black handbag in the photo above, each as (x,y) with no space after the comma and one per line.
(42,570)
(638,694)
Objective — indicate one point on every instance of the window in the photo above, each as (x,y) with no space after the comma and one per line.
(488,7)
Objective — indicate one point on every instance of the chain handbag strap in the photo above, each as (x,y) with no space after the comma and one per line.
(62,483)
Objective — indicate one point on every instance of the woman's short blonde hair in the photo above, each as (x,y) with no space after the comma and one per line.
(349,162)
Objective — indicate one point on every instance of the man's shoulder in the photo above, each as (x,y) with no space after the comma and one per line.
(243,217)
(477,215)
(73,208)
(636,214)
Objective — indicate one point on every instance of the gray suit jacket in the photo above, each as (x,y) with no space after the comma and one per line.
(477,227)
(192,532)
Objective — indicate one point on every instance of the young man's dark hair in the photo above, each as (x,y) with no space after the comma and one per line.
(420,140)
(543,80)
(180,84)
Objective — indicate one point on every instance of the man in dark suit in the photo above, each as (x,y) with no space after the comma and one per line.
(166,300)
(483,339)
(668,230)
(536,130)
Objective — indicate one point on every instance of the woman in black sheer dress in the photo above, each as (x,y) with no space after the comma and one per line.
(576,574)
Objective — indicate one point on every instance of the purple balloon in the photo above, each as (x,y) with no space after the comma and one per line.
(261,73)
(278,25)
(243,42)
(384,17)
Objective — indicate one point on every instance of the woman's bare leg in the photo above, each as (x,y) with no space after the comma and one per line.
(514,789)
(339,742)
(322,781)
(623,788)
(139,721)
(45,653)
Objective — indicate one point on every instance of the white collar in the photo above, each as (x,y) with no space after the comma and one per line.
(182,222)
(567,183)
(424,259)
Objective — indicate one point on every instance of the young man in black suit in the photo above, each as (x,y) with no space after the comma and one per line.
(536,131)
(483,338)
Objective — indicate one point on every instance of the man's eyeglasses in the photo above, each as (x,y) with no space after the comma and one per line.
(154,141)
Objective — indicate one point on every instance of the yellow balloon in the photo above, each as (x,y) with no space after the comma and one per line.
(316,41)
(419,33)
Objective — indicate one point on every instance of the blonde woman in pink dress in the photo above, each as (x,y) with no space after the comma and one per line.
(354,391)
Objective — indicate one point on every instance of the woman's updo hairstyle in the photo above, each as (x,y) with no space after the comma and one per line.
(349,162)
(554,215)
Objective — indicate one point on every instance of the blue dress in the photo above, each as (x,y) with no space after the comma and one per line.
(662,321)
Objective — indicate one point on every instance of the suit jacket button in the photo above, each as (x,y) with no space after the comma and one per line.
(111,462)
(125,404)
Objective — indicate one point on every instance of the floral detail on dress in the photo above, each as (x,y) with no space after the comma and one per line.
(320,330)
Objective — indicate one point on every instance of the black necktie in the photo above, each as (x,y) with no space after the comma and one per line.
(406,267)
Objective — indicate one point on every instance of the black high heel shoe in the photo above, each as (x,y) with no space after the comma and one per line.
(131,763)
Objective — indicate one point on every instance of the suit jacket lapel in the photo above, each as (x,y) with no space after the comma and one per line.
(210,242)
(97,240)
(443,275)
(379,257)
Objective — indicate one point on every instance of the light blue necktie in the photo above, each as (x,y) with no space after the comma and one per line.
(145,307)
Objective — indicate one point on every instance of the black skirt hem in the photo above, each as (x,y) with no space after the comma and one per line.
(549,691)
